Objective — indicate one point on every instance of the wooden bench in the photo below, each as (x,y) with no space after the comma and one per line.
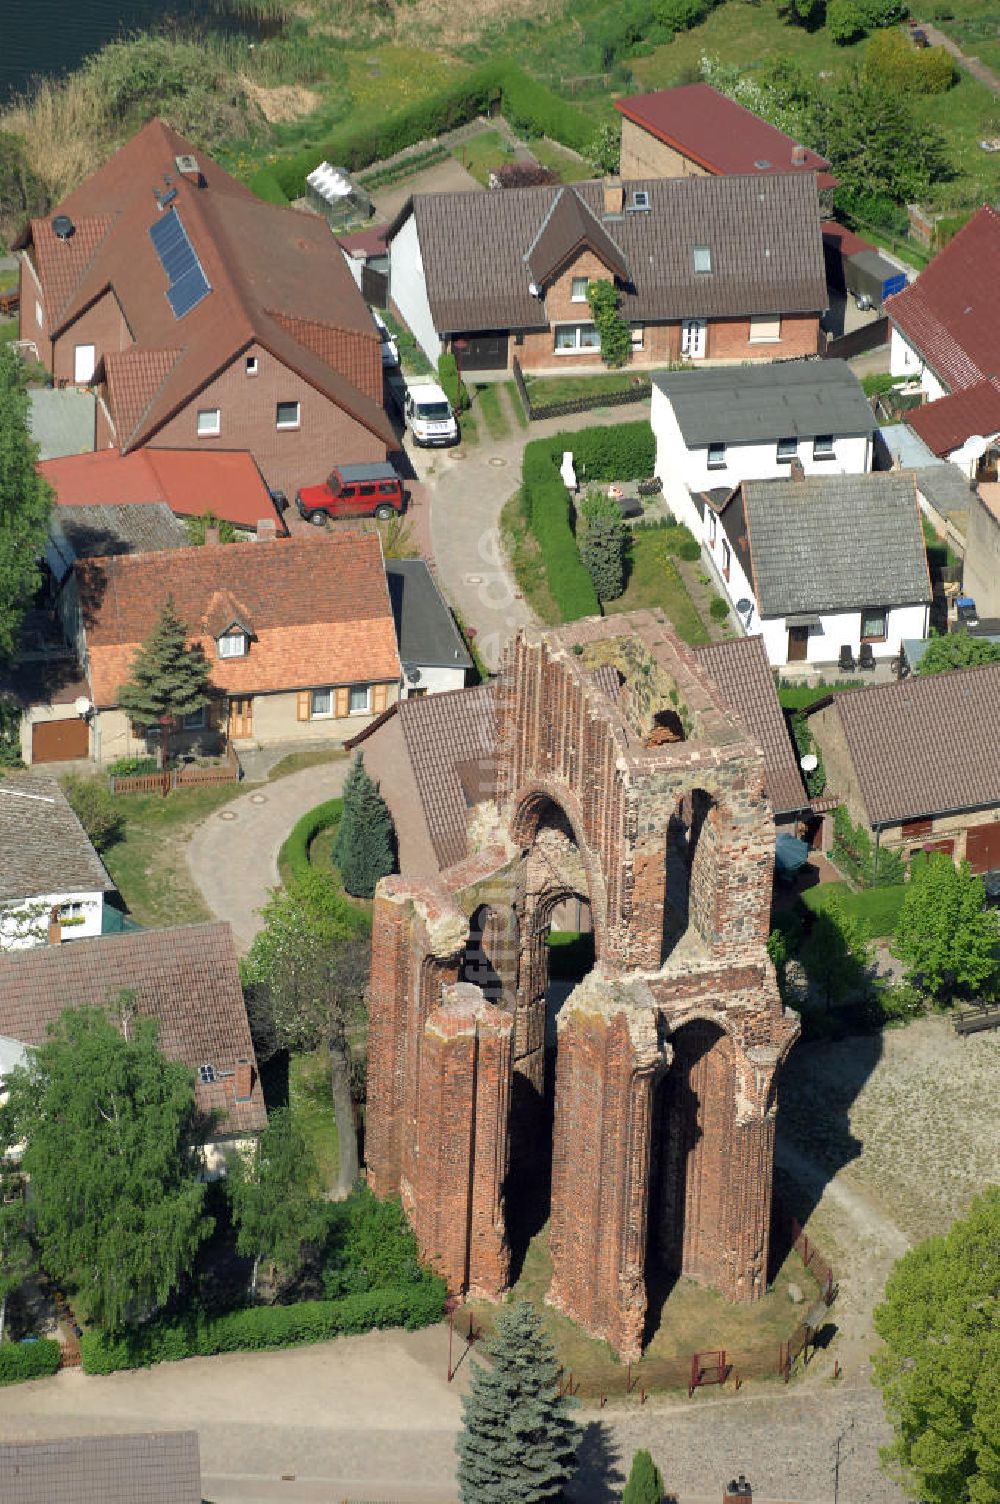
(972,1018)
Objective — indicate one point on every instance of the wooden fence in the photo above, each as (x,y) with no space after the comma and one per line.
(637,392)
(184,777)
(868,337)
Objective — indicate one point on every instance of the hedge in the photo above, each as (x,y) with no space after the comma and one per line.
(528,105)
(262,1327)
(29,1360)
(305,830)
(619,451)
(547,510)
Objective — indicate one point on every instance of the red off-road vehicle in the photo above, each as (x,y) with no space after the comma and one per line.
(353,491)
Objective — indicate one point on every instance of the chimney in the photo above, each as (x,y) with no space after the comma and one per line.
(267,529)
(243,1081)
(211,535)
(54,936)
(738,1492)
(188,168)
(614,197)
(796,470)
(798,156)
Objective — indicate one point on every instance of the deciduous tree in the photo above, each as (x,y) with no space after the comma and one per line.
(15,1247)
(108,1126)
(272,1189)
(25,503)
(957,650)
(518,1442)
(939,1370)
(946,935)
(364,848)
(169,679)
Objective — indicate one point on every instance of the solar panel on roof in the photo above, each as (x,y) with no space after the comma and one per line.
(185,274)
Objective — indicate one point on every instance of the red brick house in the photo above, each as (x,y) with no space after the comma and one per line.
(707,268)
(204,317)
(299,634)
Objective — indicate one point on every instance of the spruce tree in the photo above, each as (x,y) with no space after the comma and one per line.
(645,1485)
(169,679)
(518,1444)
(364,849)
(25,502)
(602,544)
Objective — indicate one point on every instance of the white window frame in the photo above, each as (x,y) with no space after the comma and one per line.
(720,462)
(783,454)
(765,329)
(575,296)
(823,447)
(230,639)
(701,260)
(713,528)
(359,689)
(84,366)
(694,338)
(322,715)
(637,334)
(285,423)
(883,612)
(577,348)
(253,365)
(39,315)
(195,721)
(208,423)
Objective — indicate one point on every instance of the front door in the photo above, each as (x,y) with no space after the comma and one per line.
(241,718)
(798,644)
(694,334)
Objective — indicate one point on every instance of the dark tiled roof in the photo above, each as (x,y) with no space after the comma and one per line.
(186,978)
(743,674)
(945,425)
(763,233)
(839,543)
(151,1467)
(425,627)
(753,404)
(927,745)
(569,227)
(718,133)
(43,846)
(951,313)
(446,736)
(276,277)
(318,605)
(96,531)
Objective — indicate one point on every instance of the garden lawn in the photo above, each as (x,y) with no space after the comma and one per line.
(877,910)
(654,581)
(545,391)
(568,166)
(481,154)
(311,1103)
(801,696)
(491,410)
(526,562)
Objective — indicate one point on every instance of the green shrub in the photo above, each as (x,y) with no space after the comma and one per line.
(10,733)
(548,511)
(805,744)
(261,1327)
(616,340)
(854,853)
(892,62)
(620,451)
(131,767)
(601,539)
(305,830)
(94,806)
(718,609)
(266,186)
(451,383)
(28,1360)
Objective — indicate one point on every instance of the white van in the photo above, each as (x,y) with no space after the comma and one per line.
(427,414)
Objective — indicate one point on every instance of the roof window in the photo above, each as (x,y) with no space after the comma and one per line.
(702,258)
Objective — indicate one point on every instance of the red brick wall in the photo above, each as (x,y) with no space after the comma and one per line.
(726,340)
(28,326)
(729,339)
(102,325)
(287,458)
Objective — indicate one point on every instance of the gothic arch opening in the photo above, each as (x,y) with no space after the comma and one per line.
(691,1126)
(687,860)
(490,953)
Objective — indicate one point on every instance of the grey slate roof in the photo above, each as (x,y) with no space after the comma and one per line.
(763,232)
(743,674)
(96,531)
(62,421)
(838,543)
(927,745)
(948,491)
(43,847)
(145,1468)
(425,628)
(757,404)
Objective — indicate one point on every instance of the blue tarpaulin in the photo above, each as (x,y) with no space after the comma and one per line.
(790,856)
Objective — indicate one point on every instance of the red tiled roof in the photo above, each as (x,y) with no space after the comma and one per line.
(951,313)
(318,606)
(257,258)
(226,483)
(186,978)
(717,133)
(843,240)
(133,378)
(365,242)
(946,424)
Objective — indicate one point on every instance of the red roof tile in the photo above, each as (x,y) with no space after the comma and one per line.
(843,240)
(318,607)
(717,133)
(951,313)
(365,243)
(186,978)
(946,424)
(62,263)
(134,377)
(191,482)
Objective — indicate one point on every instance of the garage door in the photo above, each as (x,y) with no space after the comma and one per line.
(983,847)
(483,351)
(60,741)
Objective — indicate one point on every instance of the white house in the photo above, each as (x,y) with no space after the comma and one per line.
(431,651)
(52,882)
(716,428)
(815,566)
(906,360)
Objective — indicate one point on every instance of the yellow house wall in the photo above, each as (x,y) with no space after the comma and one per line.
(643,156)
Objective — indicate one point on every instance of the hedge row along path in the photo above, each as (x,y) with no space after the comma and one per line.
(233,855)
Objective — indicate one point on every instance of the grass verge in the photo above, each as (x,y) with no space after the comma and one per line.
(547,391)
(801,696)
(526,562)
(876,910)
(310,757)
(517,406)
(481,154)
(569,167)
(654,581)
(491,411)
(310,1099)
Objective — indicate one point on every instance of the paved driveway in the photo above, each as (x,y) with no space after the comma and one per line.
(233,855)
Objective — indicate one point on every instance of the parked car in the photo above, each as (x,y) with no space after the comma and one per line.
(353,491)
(390,350)
(427,414)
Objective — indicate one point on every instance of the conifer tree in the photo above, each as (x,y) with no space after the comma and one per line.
(518,1444)
(645,1484)
(169,679)
(25,502)
(364,849)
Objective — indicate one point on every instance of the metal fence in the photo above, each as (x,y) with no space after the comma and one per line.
(637,392)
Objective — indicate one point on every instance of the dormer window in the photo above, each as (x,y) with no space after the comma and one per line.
(233,644)
(702,259)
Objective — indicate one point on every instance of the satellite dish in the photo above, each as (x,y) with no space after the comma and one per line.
(809,763)
(534,289)
(82,705)
(413,675)
(743,605)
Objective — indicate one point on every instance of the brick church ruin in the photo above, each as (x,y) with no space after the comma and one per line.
(637,1112)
